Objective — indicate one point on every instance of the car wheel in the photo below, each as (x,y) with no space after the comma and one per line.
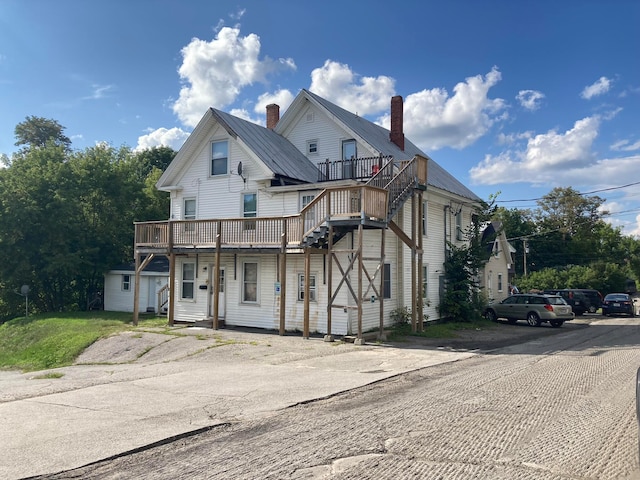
(533,319)
(490,315)
(556,323)
(592,309)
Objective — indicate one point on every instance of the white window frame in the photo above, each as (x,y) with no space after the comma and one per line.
(185,215)
(425,283)
(425,216)
(188,281)
(349,163)
(313,287)
(459,225)
(226,159)
(245,282)
(249,225)
(500,285)
(312,147)
(126,283)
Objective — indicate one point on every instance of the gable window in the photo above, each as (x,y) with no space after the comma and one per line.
(312,147)
(459,235)
(220,158)
(312,287)
(188,280)
(249,209)
(386,284)
(126,283)
(250,282)
(349,155)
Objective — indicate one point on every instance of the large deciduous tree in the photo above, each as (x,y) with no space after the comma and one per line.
(38,131)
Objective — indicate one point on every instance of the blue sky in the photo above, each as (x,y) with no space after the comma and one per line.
(510,97)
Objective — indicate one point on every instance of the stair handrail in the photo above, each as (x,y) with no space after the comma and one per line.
(163,298)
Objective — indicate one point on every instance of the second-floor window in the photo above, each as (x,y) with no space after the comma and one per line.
(249,209)
(220,158)
(459,235)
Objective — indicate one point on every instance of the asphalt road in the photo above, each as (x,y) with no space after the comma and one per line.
(557,407)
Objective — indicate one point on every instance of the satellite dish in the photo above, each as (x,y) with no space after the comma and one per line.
(24,290)
(240,168)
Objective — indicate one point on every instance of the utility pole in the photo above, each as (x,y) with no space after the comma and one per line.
(524,254)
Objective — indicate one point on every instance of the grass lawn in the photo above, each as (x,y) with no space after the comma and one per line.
(440,330)
(53,340)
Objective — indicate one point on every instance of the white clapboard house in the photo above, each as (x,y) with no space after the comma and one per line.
(322,222)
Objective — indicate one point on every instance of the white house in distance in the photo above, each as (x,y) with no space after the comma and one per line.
(153,294)
(499,269)
(321,222)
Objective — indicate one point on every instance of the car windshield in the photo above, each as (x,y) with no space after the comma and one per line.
(556,300)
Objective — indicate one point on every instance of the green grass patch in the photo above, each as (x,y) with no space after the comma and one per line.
(52,340)
(439,330)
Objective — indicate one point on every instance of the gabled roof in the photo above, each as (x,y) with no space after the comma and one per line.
(378,138)
(275,151)
(158,264)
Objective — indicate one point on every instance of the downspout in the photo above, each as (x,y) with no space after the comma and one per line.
(446,207)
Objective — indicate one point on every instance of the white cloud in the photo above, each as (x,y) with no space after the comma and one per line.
(282,98)
(214,72)
(530,99)
(512,138)
(173,138)
(548,158)
(362,95)
(433,119)
(601,86)
(625,146)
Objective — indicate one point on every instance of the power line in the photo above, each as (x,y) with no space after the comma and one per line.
(584,193)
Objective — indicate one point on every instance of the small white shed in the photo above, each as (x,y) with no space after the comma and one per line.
(119,287)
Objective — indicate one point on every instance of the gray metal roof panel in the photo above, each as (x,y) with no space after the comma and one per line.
(277,153)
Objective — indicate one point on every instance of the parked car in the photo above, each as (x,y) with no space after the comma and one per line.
(593,296)
(578,300)
(617,303)
(533,308)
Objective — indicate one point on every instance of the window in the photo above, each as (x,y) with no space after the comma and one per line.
(126,283)
(499,282)
(312,147)
(220,158)
(386,284)
(312,287)
(188,280)
(189,213)
(250,282)
(425,282)
(424,217)
(249,209)
(349,154)
(459,225)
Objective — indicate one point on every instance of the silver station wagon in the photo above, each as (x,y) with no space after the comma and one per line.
(533,308)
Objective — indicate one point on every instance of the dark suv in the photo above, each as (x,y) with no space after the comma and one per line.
(574,297)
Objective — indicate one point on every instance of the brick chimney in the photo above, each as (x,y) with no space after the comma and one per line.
(397,135)
(273,115)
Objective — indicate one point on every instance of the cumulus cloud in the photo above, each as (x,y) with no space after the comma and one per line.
(173,138)
(530,99)
(283,98)
(601,86)
(362,95)
(214,72)
(548,157)
(433,119)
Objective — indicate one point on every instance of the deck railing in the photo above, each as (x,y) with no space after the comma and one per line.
(352,168)
(358,202)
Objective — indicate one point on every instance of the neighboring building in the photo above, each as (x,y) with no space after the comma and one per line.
(321,195)
(119,287)
(497,274)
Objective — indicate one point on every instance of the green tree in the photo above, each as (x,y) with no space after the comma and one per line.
(38,131)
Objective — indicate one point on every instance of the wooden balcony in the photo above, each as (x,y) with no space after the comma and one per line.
(348,205)
(361,169)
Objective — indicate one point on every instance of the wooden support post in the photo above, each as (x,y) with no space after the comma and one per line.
(172,284)
(216,277)
(381,296)
(329,337)
(307,275)
(136,290)
(283,277)
(420,307)
(413,264)
(359,299)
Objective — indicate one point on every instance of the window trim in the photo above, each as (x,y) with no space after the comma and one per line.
(500,282)
(313,288)
(125,282)
(310,144)
(243,292)
(425,216)
(425,282)
(184,208)
(211,169)
(459,225)
(185,281)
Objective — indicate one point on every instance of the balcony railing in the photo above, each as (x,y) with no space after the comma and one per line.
(363,202)
(353,168)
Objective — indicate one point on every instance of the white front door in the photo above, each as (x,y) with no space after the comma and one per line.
(211,290)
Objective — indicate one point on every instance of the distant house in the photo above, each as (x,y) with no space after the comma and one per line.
(498,272)
(321,222)
(119,287)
